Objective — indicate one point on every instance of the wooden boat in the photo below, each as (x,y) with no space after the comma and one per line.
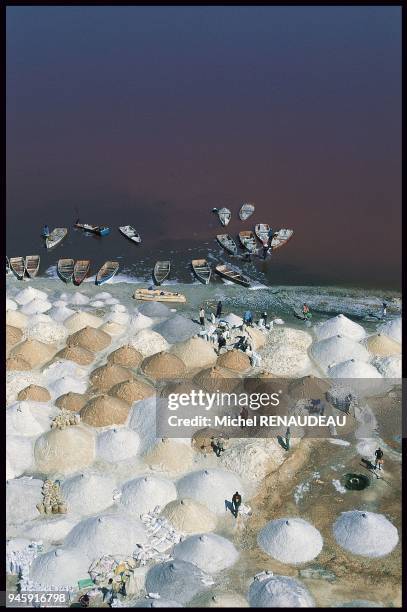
(281,238)
(161,271)
(248,240)
(224,215)
(55,237)
(7,265)
(65,269)
(106,272)
(246,211)
(32,265)
(262,232)
(129,232)
(202,270)
(99,230)
(232,275)
(80,271)
(17,266)
(157,295)
(227,243)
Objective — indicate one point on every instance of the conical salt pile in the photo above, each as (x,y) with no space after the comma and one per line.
(65,384)
(132,391)
(210,552)
(290,540)
(287,353)
(383,345)
(113,329)
(29,418)
(126,356)
(116,445)
(143,494)
(258,338)
(155,310)
(104,410)
(35,353)
(392,328)
(27,295)
(176,580)
(210,487)
(233,320)
(19,455)
(60,313)
(215,379)
(189,516)
(234,360)
(47,332)
(121,318)
(339,325)
(16,319)
(170,456)
(60,567)
(52,530)
(353,369)
(263,381)
(202,440)
(18,364)
(71,401)
(308,387)
(79,299)
(139,321)
(36,306)
(109,375)
(22,495)
(365,533)
(13,336)
(64,450)
(279,592)
(34,393)
(337,349)
(11,304)
(177,329)
(103,295)
(90,338)
(108,534)
(148,342)
(163,366)
(88,493)
(195,353)
(78,354)
(220,599)
(79,320)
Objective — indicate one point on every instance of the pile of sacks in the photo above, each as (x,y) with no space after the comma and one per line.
(111,572)
(18,558)
(53,502)
(162,536)
(66,418)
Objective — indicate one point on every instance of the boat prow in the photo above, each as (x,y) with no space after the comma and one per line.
(202,270)
(55,237)
(246,211)
(17,266)
(156,295)
(161,271)
(129,232)
(32,265)
(81,270)
(224,215)
(65,269)
(106,272)
(232,275)
(281,238)
(226,241)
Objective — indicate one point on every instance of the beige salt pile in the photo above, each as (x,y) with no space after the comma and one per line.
(189,516)
(35,353)
(163,366)
(34,393)
(234,360)
(109,375)
(17,363)
(203,439)
(132,390)
(214,379)
(257,337)
(16,319)
(383,345)
(90,338)
(170,456)
(78,354)
(71,401)
(79,320)
(195,353)
(13,336)
(308,387)
(65,450)
(104,410)
(113,329)
(126,356)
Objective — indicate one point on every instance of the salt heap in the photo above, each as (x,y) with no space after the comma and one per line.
(88,493)
(175,580)
(113,329)
(108,376)
(78,354)
(35,353)
(34,393)
(126,356)
(353,368)
(49,333)
(108,534)
(278,592)
(383,345)
(104,410)
(170,456)
(258,338)
(163,366)
(16,319)
(290,540)
(79,299)
(120,318)
(365,533)
(195,353)
(29,418)
(252,460)
(143,421)
(60,567)
(71,401)
(22,495)
(27,295)
(210,552)
(148,342)
(234,360)
(177,329)
(65,450)
(117,445)
(286,352)
(337,349)
(79,320)
(13,336)
(90,338)
(308,387)
(67,384)
(35,306)
(60,303)
(132,390)
(210,487)
(214,379)
(220,599)
(233,320)
(60,313)
(17,363)
(19,455)
(139,321)
(10,304)
(155,310)
(392,328)
(339,325)
(389,367)
(143,494)
(53,529)
(189,516)
(103,295)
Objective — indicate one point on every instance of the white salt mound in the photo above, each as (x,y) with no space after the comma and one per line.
(113,329)
(210,552)
(27,295)
(67,384)
(389,367)
(112,300)
(143,494)
(392,328)
(19,454)
(252,460)
(290,540)
(103,295)
(79,320)
(36,305)
(365,533)
(22,495)
(189,516)
(339,325)
(16,318)
(148,342)
(337,349)
(352,368)
(52,529)
(211,487)
(79,299)
(175,580)
(59,303)
(121,318)
(118,308)
(279,592)
(117,444)
(143,421)
(154,310)
(60,313)
(49,333)
(177,329)
(139,321)
(10,304)
(29,418)
(88,493)
(65,451)
(60,567)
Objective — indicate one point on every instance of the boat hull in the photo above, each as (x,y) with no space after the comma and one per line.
(161,272)
(80,272)
(155,295)
(239,279)
(229,246)
(32,265)
(17,266)
(106,273)
(65,270)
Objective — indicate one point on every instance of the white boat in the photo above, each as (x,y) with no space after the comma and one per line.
(129,232)
(65,269)
(106,272)
(248,241)
(281,238)
(161,271)
(55,237)
(226,241)
(224,215)
(262,232)
(246,211)
(202,270)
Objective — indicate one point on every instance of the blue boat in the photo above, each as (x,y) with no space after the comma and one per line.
(100,230)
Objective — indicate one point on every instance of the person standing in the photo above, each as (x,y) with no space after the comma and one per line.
(287,439)
(265,249)
(264,316)
(378,458)
(219,310)
(236,502)
(45,231)
(202,316)
(384,310)
(221,342)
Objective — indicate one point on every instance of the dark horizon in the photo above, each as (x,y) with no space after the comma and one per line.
(151,116)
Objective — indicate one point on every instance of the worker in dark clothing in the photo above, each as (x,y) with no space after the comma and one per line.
(264,316)
(236,501)
(219,310)
(378,458)
(202,316)
(265,249)
(270,236)
(45,231)
(221,342)
(287,439)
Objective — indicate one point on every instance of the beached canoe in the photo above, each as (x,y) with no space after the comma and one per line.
(80,271)
(32,265)
(129,232)
(161,271)
(248,241)
(224,215)
(262,232)
(17,266)
(227,243)
(99,230)
(157,295)
(106,272)
(281,238)
(232,275)
(246,211)
(202,270)
(55,237)
(65,269)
